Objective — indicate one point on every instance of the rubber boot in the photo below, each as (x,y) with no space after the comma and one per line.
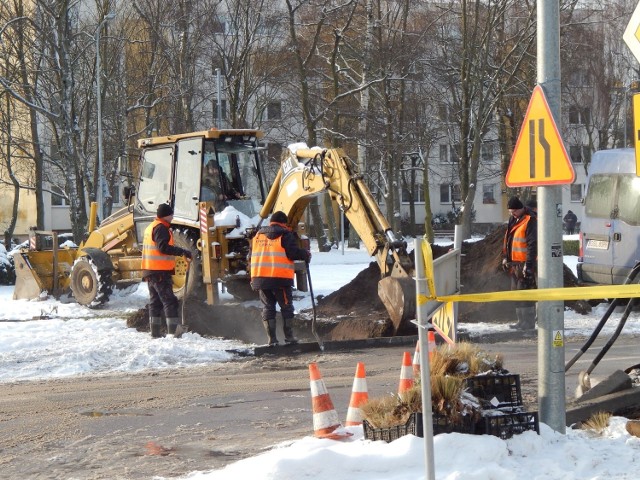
(518,325)
(172,324)
(289,339)
(270,327)
(528,318)
(155,325)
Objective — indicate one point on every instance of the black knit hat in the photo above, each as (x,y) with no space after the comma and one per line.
(514,203)
(164,210)
(279,217)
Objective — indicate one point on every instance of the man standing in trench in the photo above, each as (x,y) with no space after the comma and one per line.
(273,251)
(519,258)
(158,264)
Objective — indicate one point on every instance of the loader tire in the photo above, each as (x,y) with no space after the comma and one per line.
(90,286)
(192,287)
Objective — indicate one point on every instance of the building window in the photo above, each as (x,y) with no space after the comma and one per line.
(274,110)
(580,154)
(580,78)
(487,152)
(579,116)
(576,192)
(444,114)
(488,193)
(418,194)
(58,198)
(449,193)
(449,154)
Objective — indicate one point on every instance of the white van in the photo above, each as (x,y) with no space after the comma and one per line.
(610,228)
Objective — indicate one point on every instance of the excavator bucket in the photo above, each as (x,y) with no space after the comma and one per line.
(398,294)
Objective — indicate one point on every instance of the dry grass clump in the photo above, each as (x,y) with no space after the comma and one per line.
(464,360)
(449,366)
(384,412)
(597,422)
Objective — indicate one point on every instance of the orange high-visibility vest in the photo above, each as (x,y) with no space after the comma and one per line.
(269,259)
(519,241)
(152,257)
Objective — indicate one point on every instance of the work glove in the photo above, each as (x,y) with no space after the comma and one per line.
(526,271)
(505,265)
(187,254)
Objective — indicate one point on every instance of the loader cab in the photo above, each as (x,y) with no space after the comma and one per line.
(179,170)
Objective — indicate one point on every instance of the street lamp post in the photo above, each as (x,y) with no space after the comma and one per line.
(109,16)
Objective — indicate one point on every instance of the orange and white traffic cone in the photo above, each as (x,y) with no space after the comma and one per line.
(432,343)
(416,360)
(406,374)
(359,395)
(325,417)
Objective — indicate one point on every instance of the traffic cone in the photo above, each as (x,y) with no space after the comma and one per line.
(416,360)
(325,417)
(432,343)
(406,374)
(359,395)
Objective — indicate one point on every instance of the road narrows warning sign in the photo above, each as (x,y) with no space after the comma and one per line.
(539,157)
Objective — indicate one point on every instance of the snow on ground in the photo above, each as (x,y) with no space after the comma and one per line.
(49,339)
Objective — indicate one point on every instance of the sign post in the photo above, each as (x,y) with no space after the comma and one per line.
(631,37)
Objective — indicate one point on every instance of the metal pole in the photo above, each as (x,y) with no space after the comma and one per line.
(100,195)
(219,98)
(422,291)
(551,383)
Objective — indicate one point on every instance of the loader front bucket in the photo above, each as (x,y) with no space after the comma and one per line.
(37,272)
(398,294)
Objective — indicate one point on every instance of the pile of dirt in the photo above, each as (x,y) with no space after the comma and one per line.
(357,305)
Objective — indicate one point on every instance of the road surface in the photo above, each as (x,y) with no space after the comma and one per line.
(170,423)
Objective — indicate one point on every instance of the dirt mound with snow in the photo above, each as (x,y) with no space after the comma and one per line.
(360,314)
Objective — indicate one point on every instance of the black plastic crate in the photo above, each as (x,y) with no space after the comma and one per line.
(504,388)
(441,424)
(412,426)
(506,425)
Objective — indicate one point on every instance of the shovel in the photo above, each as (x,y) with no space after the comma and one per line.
(183,327)
(313,306)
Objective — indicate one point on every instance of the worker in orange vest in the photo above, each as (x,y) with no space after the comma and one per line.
(273,251)
(158,264)
(519,258)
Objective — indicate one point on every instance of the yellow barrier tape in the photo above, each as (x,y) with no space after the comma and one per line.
(548,294)
(427,255)
(422,299)
(534,295)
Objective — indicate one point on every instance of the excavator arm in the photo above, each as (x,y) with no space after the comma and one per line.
(307,173)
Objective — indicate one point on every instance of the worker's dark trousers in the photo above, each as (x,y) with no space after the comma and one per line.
(161,296)
(283,297)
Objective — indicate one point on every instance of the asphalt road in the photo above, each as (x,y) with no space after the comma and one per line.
(170,423)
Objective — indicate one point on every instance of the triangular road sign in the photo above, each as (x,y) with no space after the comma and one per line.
(539,157)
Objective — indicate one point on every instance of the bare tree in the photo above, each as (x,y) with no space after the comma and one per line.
(484,52)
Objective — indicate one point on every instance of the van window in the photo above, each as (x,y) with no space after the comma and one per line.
(629,199)
(599,201)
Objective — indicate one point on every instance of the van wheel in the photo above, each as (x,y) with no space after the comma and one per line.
(90,287)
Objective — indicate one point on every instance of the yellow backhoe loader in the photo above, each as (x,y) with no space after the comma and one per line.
(215,216)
